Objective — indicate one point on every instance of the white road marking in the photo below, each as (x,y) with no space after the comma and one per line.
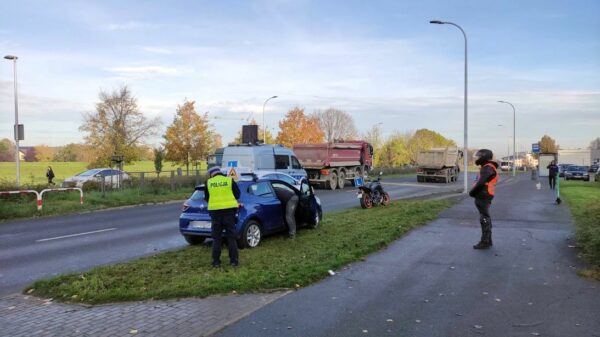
(78,234)
(415,185)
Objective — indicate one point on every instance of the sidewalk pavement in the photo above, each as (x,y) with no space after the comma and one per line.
(27,316)
(432,283)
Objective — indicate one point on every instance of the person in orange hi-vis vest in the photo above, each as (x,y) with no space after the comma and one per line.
(483,191)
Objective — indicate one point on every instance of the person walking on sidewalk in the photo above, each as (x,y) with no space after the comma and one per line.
(50,175)
(221,193)
(483,191)
(552,173)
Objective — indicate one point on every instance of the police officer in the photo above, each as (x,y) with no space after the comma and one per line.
(483,192)
(221,193)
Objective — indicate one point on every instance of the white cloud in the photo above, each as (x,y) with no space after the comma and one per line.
(128,26)
(143,72)
(156,50)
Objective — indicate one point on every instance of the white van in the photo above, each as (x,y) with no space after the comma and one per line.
(263,157)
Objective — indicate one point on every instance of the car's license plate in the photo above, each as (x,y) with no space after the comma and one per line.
(359,195)
(200,224)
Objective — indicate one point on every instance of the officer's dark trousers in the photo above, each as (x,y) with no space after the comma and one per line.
(552,181)
(224,219)
(483,206)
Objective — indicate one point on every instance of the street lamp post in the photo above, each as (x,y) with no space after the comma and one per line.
(514,138)
(16,128)
(465,147)
(263,120)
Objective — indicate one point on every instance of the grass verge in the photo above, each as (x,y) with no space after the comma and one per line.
(278,263)
(57,203)
(583,199)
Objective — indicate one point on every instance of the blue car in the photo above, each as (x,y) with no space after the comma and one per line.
(260,213)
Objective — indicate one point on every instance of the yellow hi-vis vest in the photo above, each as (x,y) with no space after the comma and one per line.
(220,193)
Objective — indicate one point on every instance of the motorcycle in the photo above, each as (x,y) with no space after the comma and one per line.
(371,193)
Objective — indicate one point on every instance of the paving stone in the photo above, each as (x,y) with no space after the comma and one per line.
(29,316)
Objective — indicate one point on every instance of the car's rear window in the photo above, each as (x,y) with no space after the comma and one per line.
(198,195)
(88,173)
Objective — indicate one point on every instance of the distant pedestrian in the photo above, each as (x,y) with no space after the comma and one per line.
(552,173)
(483,191)
(50,175)
(221,193)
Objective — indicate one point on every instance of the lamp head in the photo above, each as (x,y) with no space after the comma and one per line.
(274,97)
(437,22)
(10,57)
(501,102)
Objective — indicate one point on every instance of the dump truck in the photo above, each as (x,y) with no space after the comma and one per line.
(331,165)
(438,165)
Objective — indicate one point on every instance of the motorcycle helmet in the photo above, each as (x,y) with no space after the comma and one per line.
(483,156)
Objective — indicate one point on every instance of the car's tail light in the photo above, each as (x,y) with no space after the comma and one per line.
(185,207)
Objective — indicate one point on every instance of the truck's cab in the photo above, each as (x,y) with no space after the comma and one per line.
(263,157)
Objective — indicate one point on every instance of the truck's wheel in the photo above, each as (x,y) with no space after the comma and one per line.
(333,180)
(341,180)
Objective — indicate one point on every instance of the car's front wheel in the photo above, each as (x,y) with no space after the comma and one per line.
(316,221)
(251,236)
(194,239)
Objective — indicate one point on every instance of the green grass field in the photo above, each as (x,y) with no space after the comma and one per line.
(33,173)
(278,263)
(583,199)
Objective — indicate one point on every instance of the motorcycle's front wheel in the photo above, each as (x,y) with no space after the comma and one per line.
(366,201)
(386,199)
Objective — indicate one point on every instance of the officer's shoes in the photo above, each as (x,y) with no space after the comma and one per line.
(482,245)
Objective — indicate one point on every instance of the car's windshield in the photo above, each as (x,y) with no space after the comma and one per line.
(89,173)
(576,168)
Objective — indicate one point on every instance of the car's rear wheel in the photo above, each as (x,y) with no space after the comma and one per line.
(194,239)
(251,236)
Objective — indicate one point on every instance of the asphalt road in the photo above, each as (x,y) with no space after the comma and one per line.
(39,248)
(432,283)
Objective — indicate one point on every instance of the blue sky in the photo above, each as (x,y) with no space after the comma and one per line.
(379,60)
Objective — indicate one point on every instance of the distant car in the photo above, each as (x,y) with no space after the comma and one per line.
(562,168)
(260,212)
(109,176)
(505,166)
(577,172)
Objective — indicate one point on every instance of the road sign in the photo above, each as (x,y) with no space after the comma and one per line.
(535,148)
(232,163)
(233,174)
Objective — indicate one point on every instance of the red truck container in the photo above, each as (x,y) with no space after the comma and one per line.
(331,164)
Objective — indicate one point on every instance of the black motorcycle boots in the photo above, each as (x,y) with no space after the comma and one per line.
(486,233)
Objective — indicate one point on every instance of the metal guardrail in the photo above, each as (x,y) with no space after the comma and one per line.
(39,195)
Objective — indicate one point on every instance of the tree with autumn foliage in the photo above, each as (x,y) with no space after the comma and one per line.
(297,128)
(189,138)
(117,127)
(44,153)
(548,145)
